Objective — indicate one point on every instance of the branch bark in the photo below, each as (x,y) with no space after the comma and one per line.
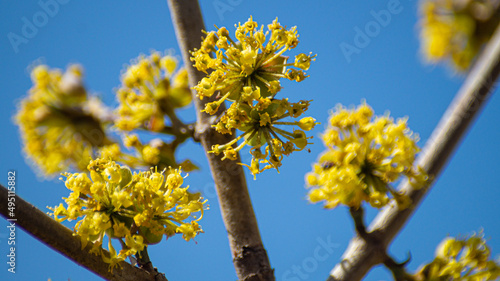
(61,239)
(361,255)
(249,255)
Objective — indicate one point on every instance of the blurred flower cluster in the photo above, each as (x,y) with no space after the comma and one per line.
(362,159)
(61,126)
(247,73)
(457,29)
(465,259)
(150,92)
(135,209)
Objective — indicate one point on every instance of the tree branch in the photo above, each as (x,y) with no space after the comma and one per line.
(249,256)
(361,255)
(61,239)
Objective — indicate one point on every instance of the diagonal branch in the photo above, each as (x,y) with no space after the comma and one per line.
(61,239)
(249,256)
(361,255)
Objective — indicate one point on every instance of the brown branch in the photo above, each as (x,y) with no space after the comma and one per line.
(361,255)
(249,256)
(61,239)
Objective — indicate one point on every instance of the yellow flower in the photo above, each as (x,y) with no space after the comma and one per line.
(120,229)
(189,230)
(264,119)
(456,30)
(175,180)
(141,208)
(362,159)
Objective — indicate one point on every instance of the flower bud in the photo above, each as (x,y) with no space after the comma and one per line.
(307,123)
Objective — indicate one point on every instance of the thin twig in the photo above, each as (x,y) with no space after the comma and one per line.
(145,263)
(361,256)
(249,255)
(61,239)
(357,215)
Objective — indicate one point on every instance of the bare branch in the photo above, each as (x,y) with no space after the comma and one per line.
(249,256)
(61,239)
(361,255)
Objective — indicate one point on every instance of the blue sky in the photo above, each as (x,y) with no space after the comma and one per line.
(386,70)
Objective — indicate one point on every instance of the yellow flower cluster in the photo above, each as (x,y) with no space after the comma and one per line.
(253,61)
(151,90)
(362,159)
(461,259)
(259,127)
(456,30)
(136,209)
(60,126)
(247,73)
